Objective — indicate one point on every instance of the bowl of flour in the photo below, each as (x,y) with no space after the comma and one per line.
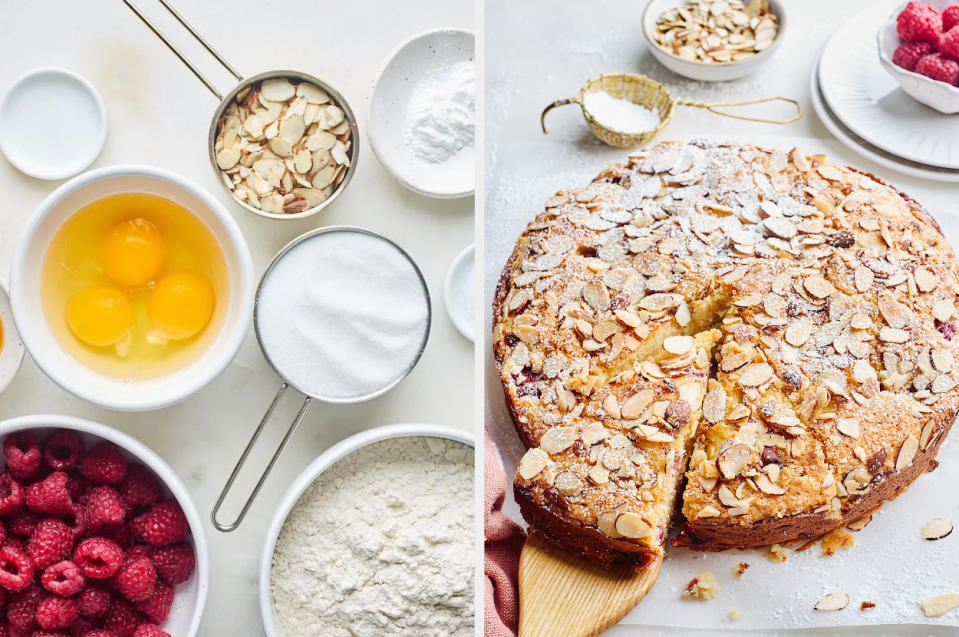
(376,538)
(422,114)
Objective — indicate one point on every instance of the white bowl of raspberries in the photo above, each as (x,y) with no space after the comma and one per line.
(919,46)
(98,537)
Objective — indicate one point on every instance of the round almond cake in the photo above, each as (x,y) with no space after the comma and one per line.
(758,346)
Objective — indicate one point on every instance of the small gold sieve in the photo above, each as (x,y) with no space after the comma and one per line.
(649,93)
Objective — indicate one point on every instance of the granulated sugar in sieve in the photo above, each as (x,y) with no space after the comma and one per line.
(342,315)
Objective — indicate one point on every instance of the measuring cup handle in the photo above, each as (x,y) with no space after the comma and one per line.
(542,118)
(196,36)
(232,526)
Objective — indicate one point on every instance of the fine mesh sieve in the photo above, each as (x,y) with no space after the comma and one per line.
(649,93)
(288,376)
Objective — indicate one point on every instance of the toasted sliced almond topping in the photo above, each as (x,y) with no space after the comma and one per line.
(940,604)
(678,345)
(943,310)
(733,460)
(533,462)
(798,333)
(714,405)
(936,529)
(907,452)
(558,439)
(893,335)
(633,526)
(925,280)
(819,287)
(755,374)
(848,427)
(634,406)
(832,601)
(767,486)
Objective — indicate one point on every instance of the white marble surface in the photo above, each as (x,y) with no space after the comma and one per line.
(539,51)
(159,114)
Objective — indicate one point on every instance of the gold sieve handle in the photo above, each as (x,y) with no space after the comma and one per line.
(542,118)
(712,107)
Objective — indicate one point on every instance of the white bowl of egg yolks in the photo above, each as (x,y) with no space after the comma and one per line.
(99,319)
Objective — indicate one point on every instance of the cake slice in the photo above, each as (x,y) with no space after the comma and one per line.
(606,485)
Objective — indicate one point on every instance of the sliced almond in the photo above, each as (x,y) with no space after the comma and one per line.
(819,287)
(936,529)
(558,439)
(532,463)
(756,374)
(798,333)
(733,460)
(634,406)
(278,90)
(678,345)
(767,486)
(907,452)
(633,526)
(940,604)
(848,427)
(832,601)
(714,405)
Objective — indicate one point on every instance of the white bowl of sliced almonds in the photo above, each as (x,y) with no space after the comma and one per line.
(714,40)
(284,144)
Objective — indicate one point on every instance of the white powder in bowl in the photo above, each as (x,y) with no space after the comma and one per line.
(620,114)
(381,544)
(440,115)
(342,315)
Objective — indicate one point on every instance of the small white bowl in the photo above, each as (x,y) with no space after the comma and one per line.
(52,123)
(405,67)
(11,349)
(190,600)
(716,72)
(311,473)
(938,95)
(458,293)
(43,345)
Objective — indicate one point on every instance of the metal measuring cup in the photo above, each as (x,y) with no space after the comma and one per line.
(310,393)
(243,85)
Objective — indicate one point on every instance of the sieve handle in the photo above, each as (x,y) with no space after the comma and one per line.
(542,118)
(712,107)
(232,526)
(178,53)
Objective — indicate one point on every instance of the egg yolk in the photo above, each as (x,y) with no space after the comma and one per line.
(181,304)
(133,252)
(100,315)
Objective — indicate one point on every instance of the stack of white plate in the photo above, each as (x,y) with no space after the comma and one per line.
(865,109)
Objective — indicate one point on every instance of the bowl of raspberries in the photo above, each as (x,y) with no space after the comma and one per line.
(919,47)
(98,536)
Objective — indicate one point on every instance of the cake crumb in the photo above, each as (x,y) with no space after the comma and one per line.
(703,586)
(741,568)
(838,539)
(867,605)
(734,614)
(777,553)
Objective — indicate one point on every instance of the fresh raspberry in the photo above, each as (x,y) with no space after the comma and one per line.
(16,569)
(157,606)
(919,22)
(22,523)
(77,486)
(50,495)
(104,464)
(22,609)
(17,543)
(136,579)
(98,558)
(140,487)
(63,450)
(83,627)
(51,542)
(908,53)
(11,494)
(164,524)
(150,630)
(949,44)
(120,535)
(950,17)
(122,618)
(100,632)
(56,612)
(103,507)
(174,563)
(938,68)
(63,579)
(94,602)
(22,454)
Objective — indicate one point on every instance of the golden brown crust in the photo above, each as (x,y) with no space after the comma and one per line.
(832,384)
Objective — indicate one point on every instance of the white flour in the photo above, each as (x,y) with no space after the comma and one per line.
(342,314)
(381,545)
(620,114)
(440,115)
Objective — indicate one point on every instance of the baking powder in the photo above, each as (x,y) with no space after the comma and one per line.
(342,315)
(620,114)
(440,115)
(381,544)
